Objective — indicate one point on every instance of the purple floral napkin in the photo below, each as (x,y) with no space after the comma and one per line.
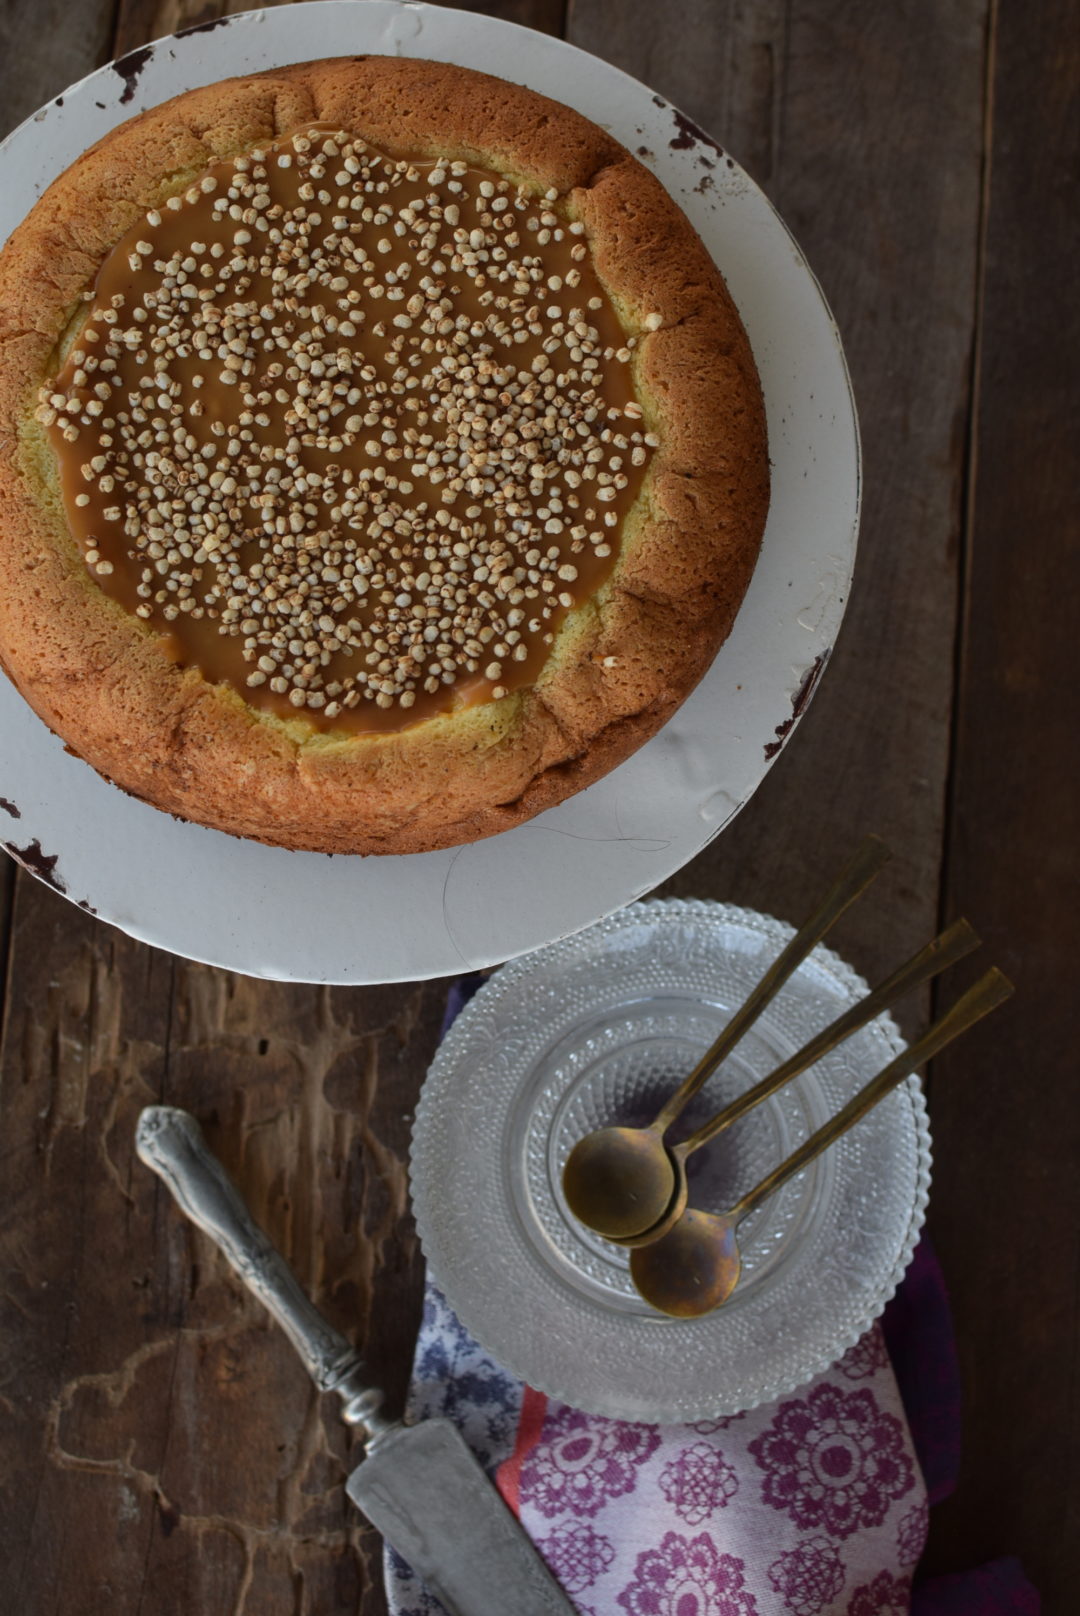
(813,1504)
(816,1505)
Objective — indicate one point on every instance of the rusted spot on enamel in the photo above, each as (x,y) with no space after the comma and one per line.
(39,863)
(206,27)
(129,67)
(799,701)
(691,134)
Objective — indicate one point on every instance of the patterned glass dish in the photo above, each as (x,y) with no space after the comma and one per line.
(598,1029)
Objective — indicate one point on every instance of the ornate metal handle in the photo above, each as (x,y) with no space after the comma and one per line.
(171,1142)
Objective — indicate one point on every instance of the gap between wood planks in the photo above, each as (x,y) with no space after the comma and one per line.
(969,479)
(8,876)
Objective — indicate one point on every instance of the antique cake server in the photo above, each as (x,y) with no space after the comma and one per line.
(419,1485)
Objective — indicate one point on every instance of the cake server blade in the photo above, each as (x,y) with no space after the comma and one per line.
(419,1485)
(423,1489)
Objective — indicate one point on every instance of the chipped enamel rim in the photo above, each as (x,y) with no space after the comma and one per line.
(314,917)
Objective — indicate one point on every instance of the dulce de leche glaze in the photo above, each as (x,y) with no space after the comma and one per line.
(351,433)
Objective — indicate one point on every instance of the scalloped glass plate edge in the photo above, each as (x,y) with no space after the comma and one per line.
(614,1402)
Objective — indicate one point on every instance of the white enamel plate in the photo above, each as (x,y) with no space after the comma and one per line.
(311,917)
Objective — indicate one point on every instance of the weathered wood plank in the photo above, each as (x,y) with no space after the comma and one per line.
(171,1448)
(1006,1108)
(142,20)
(7,901)
(881,189)
(46,46)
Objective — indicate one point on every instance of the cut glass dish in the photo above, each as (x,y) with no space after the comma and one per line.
(599,1028)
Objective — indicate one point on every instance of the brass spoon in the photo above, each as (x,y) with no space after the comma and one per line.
(953,943)
(696,1265)
(620,1181)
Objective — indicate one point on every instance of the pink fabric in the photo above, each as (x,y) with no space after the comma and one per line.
(813,1506)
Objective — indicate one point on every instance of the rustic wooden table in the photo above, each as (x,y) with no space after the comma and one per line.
(163,1454)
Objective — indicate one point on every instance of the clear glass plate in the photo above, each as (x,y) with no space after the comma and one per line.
(599,1028)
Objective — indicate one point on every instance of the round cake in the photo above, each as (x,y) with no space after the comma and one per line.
(382,458)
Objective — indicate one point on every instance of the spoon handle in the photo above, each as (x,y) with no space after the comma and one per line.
(854,879)
(988,992)
(953,943)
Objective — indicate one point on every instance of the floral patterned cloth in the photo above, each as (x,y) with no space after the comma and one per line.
(812,1506)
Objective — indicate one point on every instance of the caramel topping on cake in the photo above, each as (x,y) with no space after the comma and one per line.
(351,432)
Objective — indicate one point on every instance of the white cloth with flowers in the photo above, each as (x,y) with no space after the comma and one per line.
(811,1506)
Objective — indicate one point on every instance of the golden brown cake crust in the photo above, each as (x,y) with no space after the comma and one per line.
(622,662)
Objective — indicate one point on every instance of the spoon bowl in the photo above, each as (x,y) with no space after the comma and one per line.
(618,1203)
(673,1208)
(619,1181)
(692,1269)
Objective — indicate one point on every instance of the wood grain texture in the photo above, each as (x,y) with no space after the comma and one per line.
(138,21)
(8,876)
(46,46)
(1005,1211)
(155,1408)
